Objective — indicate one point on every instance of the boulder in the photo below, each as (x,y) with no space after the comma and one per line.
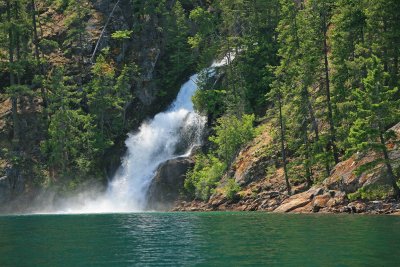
(167,185)
(299,200)
(338,198)
(321,201)
(357,207)
(5,189)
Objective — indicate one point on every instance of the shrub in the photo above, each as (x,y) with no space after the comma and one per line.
(371,192)
(231,133)
(202,180)
(231,189)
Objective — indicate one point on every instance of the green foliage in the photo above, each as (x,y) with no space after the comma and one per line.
(177,63)
(231,133)
(209,102)
(207,99)
(205,39)
(231,189)
(377,107)
(371,192)
(121,35)
(48,46)
(71,143)
(108,98)
(202,180)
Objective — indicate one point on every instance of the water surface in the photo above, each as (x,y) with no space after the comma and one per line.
(199,239)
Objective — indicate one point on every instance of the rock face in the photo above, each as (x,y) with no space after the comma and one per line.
(345,178)
(5,189)
(251,162)
(168,183)
(261,192)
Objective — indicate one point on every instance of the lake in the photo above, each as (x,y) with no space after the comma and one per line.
(199,239)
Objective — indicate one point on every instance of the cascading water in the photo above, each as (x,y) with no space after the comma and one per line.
(156,142)
(172,133)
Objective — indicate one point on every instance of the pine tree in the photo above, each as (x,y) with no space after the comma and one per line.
(70,146)
(383,35)
(108,98)
(276,96)
(294,75)
(377,108)
(347,39)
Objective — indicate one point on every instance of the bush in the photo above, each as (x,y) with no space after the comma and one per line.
(202,180)
(231,133)
(371,192)
(231,189)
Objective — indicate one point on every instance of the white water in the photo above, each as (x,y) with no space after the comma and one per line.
(172,133)
(156,142)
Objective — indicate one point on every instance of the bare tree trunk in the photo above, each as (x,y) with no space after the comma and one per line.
(328,99)
(283,150)
(14,100)
(37,52)
(389,166)
(307,154)
(102,32)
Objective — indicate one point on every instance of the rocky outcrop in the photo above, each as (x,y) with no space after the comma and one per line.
(299,200)
(261,192)
(344,176)
(5,189)
(166,186)
(251,162)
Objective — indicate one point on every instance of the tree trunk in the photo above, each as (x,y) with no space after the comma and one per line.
(283,150)
(389,166)
(315,126)
(307,155)
(328,100)
(14,100)
(37,52)
(34,28)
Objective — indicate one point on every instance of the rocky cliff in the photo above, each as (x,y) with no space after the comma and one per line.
(145,49)
(345,190)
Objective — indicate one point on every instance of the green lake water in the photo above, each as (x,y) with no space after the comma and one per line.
(199,239)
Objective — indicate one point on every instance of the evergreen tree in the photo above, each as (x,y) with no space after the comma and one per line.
(347,40)
(70,146)
(108,98)
(376,109)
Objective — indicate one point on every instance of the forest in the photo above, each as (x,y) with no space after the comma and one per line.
(321,76)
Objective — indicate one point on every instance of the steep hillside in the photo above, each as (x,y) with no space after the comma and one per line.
(263,186)
(129,41)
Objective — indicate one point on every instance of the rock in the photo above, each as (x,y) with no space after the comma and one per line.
(299,200)
(344,177)
(251,162)
(320,202)
(357,207)
(166,186)
(305,209)
(5,190)
(300,188)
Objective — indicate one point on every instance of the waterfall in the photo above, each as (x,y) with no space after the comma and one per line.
(170,134)
(156,142)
